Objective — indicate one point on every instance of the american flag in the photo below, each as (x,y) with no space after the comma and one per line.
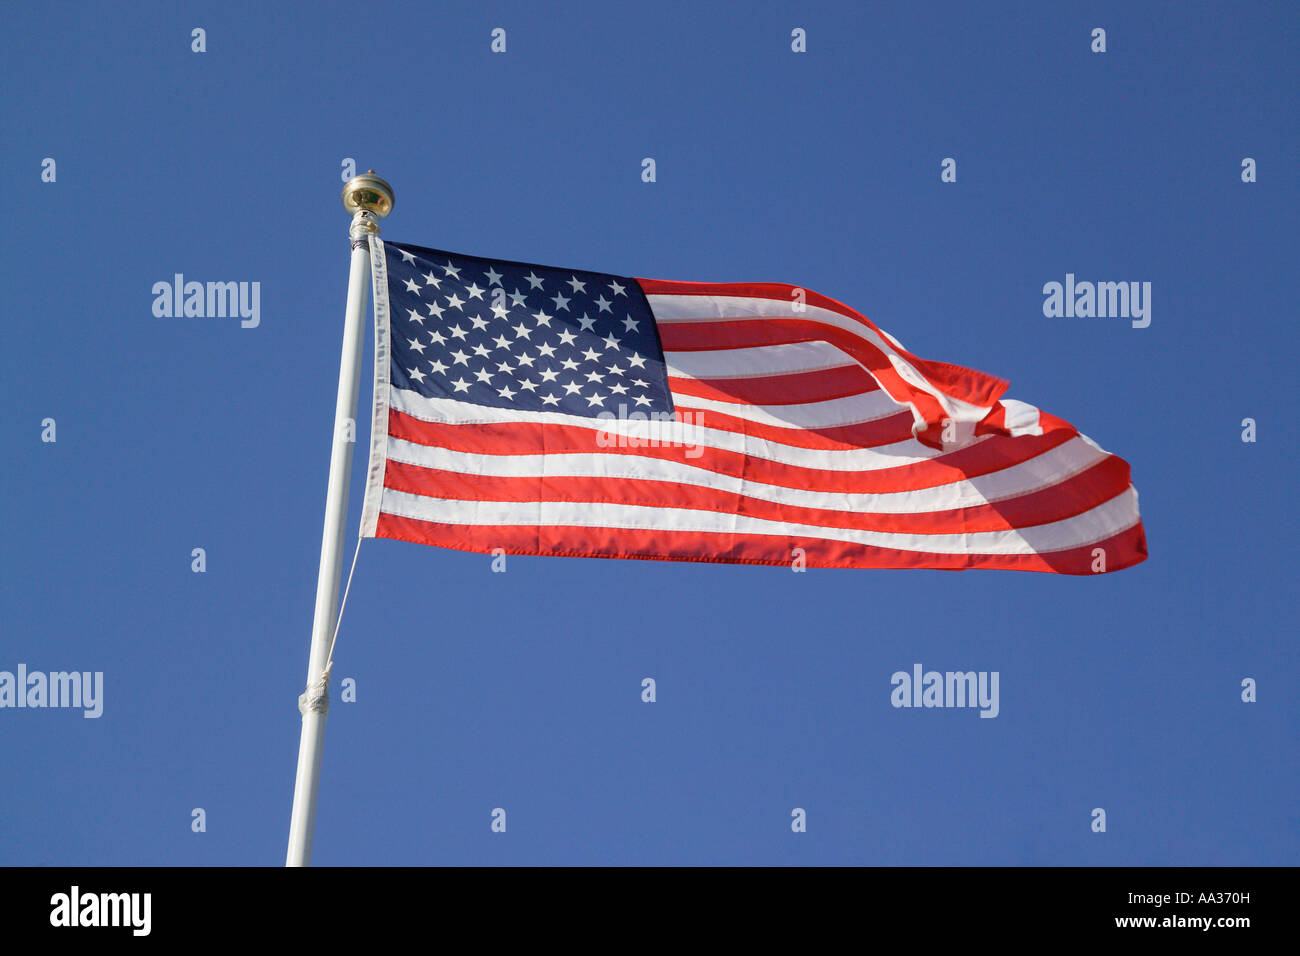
(562,412)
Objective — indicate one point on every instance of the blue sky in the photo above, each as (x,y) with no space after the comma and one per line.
(521,690)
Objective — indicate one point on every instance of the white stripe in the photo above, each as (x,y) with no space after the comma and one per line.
(833,413)
(1096,525)
(696,431)
(1022,418)
(1047,469)
(848,410)
(758,362)
(671,307)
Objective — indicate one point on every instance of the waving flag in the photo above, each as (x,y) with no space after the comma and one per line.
(563,412)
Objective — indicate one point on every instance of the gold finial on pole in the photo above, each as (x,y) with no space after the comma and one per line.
(369,193)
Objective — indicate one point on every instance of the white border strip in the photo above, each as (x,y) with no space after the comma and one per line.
(379,418)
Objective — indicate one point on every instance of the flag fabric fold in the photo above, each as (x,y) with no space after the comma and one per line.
(564,412)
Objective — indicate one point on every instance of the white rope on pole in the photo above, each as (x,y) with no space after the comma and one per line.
(338,621)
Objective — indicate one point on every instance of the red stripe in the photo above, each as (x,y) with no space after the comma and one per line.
(795,388)
(968,385)
(749,334)
(530,438)
(1074,496)
(736,334)
(1121,550)
(977,388)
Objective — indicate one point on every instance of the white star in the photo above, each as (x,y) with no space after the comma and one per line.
(533,281)
(618,389)
(438,367)
(494,278)
(406,255)
(455,302)
(570,389)
(480,351)
(548,374)
(478,322)
(549,399)
(567,337)
(460,357)
(433,280)
(596,399)
(522,331)
(415,374)
(642,400)
(560,302)
(526,359)
(451,270)
(415,316)
(418,346)
(412,286)
(591,355)
(630,324)
(474,292)
(461,385)
(614,370)
(618,289)
(542,319)
(640,384)
(458,332)
(506,392)
(504,367)
(483,375)
(587,324)
(636,361)
(527,384)
(610,341)
(603,304)
(437,338)
(436,310)
(578,285)
(499,311)
(501,342)
(569,364)
(517,298)
(595,377)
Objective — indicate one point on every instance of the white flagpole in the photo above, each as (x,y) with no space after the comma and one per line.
(370,199)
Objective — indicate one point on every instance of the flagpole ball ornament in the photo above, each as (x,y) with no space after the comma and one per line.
(368,193)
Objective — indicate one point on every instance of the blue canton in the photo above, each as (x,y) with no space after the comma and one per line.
(524,337)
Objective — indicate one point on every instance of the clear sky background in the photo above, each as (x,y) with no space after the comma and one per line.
(521,690)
